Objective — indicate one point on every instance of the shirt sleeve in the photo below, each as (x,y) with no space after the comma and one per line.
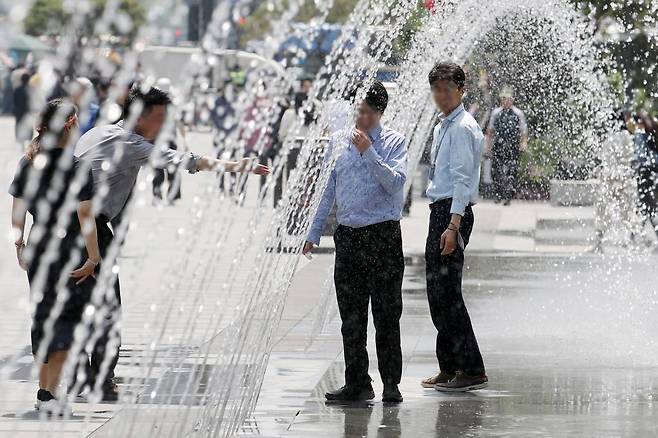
(146,152)
(462,159)
(326,205)
(17,186)
(392,171)
(287,121)
(87,191)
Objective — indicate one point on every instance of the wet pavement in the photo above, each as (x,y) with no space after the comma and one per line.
(562,358)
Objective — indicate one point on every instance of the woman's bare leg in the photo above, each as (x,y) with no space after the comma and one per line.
(43,376)
(56,362)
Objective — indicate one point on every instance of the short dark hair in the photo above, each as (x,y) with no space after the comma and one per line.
(377,96)
(154,97)
(447,71)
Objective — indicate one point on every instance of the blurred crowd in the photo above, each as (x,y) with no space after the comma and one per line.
(26,91)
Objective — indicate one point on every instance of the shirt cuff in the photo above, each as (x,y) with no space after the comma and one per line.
(458,207)
(314,237)
(371,155)
(192,164)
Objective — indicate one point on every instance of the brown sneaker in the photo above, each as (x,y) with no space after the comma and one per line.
(441,377)
(463,382)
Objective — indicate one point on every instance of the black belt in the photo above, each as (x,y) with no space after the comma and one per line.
(445,202)
(369,227)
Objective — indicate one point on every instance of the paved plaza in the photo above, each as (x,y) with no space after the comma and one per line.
(567,335)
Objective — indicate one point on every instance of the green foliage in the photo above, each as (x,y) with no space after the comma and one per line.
(413,24)
(46,17)
(626,27)
(49,17)
(537,167)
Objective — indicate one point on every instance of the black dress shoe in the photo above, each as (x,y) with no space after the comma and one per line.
(391,394)
(110,392)
(351,393)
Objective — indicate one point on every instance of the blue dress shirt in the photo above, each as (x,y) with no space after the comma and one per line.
(457,148)
(367,188)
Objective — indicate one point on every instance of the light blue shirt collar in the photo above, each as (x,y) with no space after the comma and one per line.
(453,115)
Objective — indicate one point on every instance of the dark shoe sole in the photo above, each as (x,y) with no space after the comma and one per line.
(392,400)
(362,397)
(431,385)
(461,388)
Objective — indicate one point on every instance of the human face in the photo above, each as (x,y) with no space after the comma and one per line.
(305,86)
(506,102)
(150,123)
(447,95)
(367,117)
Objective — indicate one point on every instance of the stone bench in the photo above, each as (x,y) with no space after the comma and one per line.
(574,192)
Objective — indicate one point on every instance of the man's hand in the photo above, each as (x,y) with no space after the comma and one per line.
(448,242)
(261,169)
(84,272)
(361,140)
(250,165)
(308,247)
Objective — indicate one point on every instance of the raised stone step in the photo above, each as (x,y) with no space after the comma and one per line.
(574,192)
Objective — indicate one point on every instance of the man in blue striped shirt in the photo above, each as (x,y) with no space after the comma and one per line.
(367,186)
(454,177)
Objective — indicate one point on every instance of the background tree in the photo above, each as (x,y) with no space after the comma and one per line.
(628,29)
(50,17)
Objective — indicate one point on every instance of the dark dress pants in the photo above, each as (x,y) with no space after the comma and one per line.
(369,267)
(456,346)
(109,340)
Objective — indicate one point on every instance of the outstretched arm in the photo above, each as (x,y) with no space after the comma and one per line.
(244,165)
(143,152)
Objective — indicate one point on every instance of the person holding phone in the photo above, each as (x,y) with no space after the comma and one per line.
(367,186)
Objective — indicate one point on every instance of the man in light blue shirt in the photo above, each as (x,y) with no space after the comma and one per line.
(454,177)
(367,186)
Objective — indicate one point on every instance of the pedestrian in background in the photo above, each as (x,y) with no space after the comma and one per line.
(507,137)
(21,107)
(645,141)
(82,93)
